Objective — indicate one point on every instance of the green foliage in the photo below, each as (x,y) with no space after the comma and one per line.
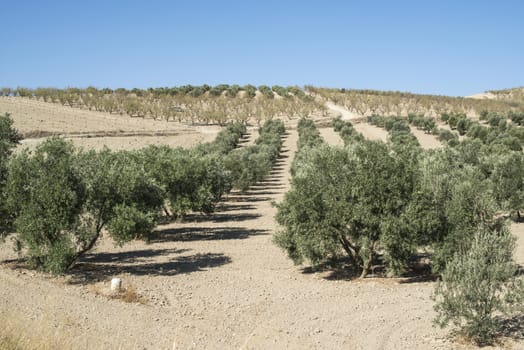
(9,138)
(447,136)
(338,123)
(190,181)
(308,138)
(281,91)
(251,91)
(248,166)
(46,193)
(462,125)
(505,172)
(344,201)
(130,222)
(429,125)
(478,131)
(498,133)
(308,133)
(233,90)
(478,283)
(516,117)
(218,90)
(251,164)
(469,205)
(346,131)
(8,134)
(399,132)
(225,141)
(377,120)
(61,201)
(436,198)
(114,179)
(266,91)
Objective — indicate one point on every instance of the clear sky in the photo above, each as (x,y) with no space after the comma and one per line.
(451,47)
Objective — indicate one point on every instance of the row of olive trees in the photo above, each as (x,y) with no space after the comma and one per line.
(493,149)
(59,199)
(378,203)
(347,201)
(497,131)
(68,95)
(367,102)
(251,164)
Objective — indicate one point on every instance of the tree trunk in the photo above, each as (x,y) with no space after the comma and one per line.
(166,211)
(366,266)
(84,250)
(351,250)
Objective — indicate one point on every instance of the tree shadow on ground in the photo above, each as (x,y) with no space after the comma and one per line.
(270,181)
(267,184)
(189,234)
(337,269)
(278,167)
(256,192)
(217,217)
(266,189)
(132,256)
(342,269)
(90,272)
(418,270)
(418,273)
(248,199)
(225,207)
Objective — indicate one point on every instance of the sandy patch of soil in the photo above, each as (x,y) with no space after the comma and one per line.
(36,116)
(331,136)
(117,143)
(483,96)
(427,141)
(343,112)
(93,130)
(371,132)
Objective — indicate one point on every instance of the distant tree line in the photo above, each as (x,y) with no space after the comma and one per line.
(195,104)
(395,103)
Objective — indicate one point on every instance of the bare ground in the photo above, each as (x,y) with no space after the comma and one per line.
(218,282)
(93,130)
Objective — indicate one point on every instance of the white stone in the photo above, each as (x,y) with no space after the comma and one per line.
(116,284)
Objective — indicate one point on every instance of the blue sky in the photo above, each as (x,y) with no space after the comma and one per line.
(439,47)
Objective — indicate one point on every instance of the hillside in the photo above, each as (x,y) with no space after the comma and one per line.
(217,280)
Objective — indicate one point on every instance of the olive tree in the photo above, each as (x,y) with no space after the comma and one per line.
(506,174)
(479,284)
(450,199)
(45,194)
(346,201)
(119,196)
(9,138)
(61,201)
